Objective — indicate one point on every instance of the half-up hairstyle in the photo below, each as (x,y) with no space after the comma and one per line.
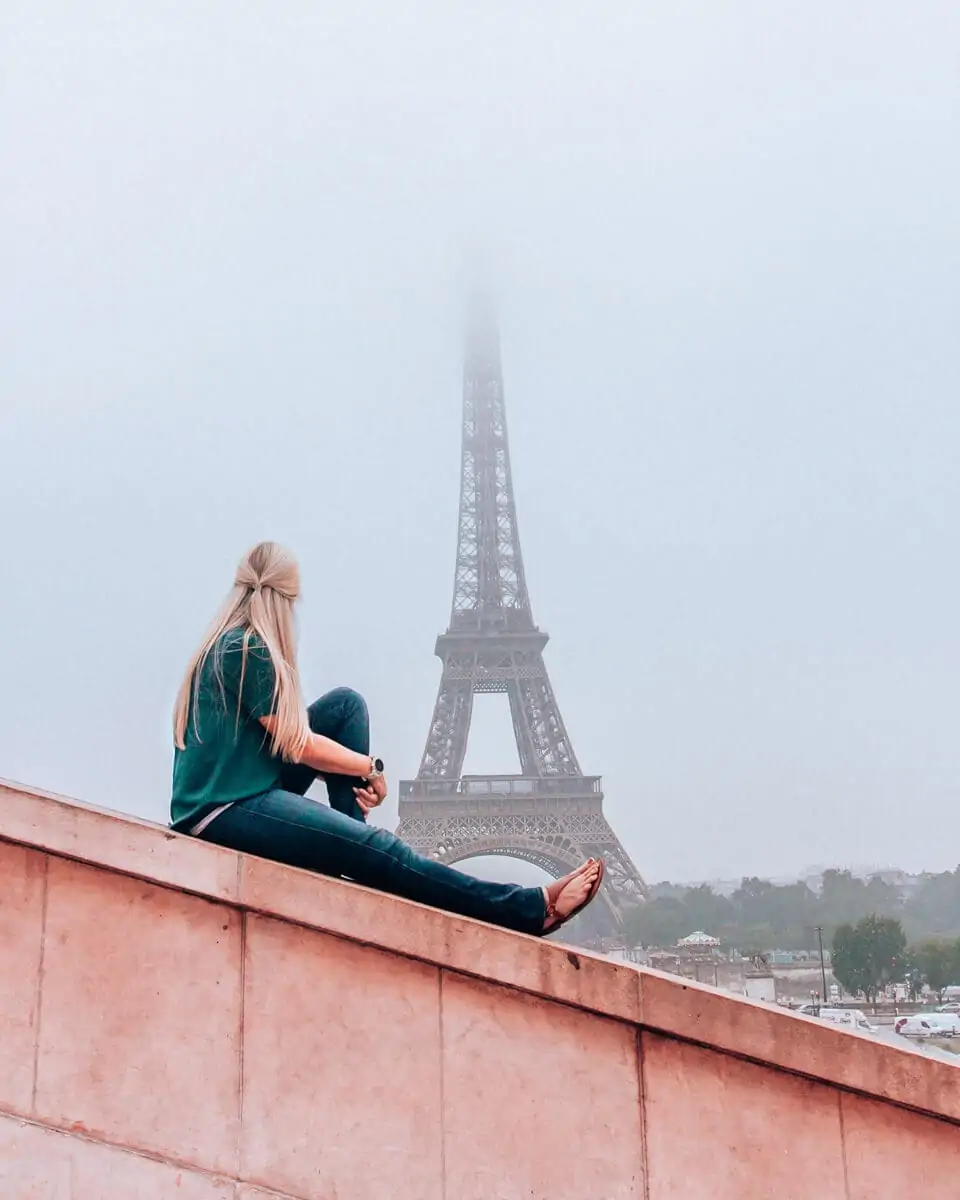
(266,587)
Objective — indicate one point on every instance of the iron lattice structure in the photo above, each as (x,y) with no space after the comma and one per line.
(551,814)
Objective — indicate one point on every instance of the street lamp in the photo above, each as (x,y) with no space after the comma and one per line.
(823,969)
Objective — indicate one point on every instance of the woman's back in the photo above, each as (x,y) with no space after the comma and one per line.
(226,756)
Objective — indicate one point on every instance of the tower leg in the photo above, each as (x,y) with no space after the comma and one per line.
(447,740)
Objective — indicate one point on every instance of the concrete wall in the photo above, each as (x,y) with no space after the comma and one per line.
(180,1021)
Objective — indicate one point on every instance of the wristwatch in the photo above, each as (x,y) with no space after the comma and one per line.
(377,769)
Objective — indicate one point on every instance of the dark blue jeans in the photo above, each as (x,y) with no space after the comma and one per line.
(283,825)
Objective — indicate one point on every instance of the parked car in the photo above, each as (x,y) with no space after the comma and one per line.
(952,1007)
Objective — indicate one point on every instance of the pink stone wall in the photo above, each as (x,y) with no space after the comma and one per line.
(205,1027)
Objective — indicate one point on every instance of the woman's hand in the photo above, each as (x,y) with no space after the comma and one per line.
(372,795)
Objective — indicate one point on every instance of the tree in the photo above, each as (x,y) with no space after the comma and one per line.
(869,955)
(845,899)
(707,911)
(767,916)
(660,922)
(912,975)
(848,960)
(934,909)
(937,963)
(883,898)
(672,913)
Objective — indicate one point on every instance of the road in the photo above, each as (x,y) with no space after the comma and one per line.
(887,1035)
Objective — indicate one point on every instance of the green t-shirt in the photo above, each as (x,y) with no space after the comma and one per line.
(227,755)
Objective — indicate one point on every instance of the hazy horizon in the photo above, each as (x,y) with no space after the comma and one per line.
(725,242)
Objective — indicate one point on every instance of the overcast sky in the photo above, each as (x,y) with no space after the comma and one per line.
(726,241)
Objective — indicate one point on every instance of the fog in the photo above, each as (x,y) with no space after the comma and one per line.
(725,241)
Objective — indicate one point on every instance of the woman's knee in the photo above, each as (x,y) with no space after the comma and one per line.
(342,704)
(346,697)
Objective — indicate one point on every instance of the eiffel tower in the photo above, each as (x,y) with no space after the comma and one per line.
(551,814)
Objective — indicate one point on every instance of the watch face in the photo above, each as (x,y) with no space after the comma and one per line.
(378,765)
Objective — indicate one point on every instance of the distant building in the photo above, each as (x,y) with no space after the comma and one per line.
(699,942)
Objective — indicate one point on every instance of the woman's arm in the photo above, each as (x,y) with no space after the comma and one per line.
(324,754)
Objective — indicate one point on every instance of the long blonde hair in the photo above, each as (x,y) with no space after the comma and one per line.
(266,587)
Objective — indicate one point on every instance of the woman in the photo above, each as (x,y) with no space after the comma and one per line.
(247,750)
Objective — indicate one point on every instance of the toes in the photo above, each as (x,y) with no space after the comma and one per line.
(576,885)
(558,885)
(573,891)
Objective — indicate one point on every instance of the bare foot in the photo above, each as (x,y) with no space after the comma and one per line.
(570,893)
(552,890)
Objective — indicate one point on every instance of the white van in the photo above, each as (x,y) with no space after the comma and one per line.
(848,1018)
(916,1027)
(946,1024)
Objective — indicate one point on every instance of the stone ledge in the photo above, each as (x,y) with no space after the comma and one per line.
(678,1008)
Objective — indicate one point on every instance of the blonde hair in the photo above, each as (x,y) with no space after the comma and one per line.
(266,587)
